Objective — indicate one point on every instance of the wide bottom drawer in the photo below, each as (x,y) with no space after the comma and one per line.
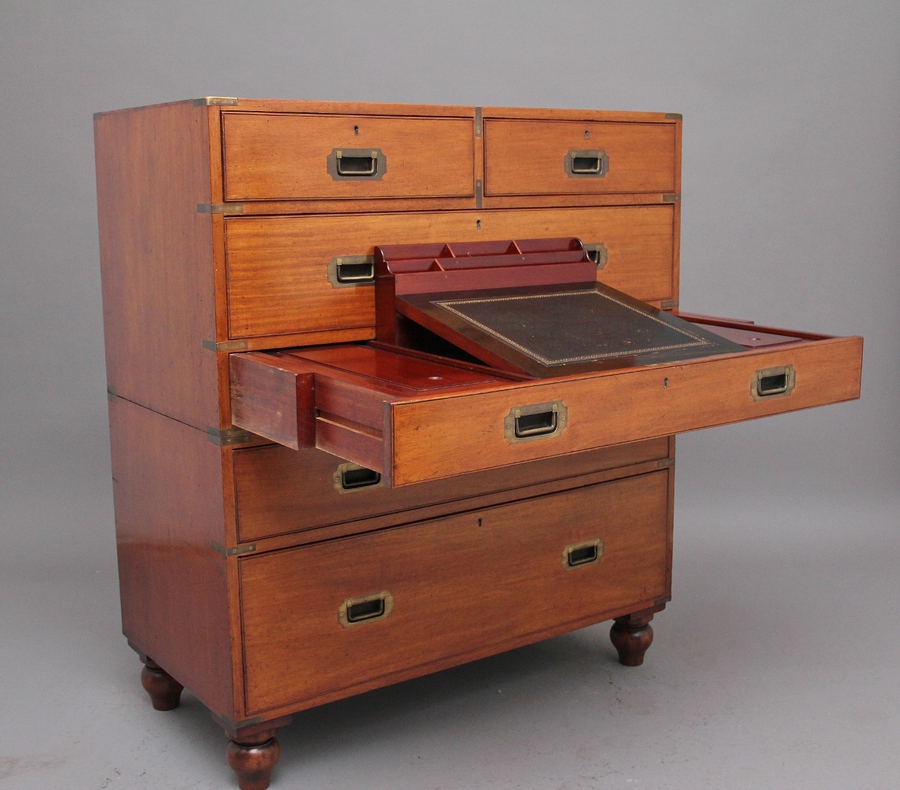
(332,619)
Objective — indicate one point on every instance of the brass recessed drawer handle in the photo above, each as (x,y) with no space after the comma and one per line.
(367,609)
(359,166)
(773,382)
(580,554)
(352,477)
(543,422)
(594,164)
(538,421)
(357,163)
(348,270)
(355,272)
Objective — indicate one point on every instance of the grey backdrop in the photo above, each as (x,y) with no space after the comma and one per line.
(791,216)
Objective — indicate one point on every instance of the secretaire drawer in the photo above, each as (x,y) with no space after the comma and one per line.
(414,420)
(293,156)
(533,157)
(279,490)
(303,274)
(345,614)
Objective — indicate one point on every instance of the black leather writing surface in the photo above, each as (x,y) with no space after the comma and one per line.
(551,331)
(575,326)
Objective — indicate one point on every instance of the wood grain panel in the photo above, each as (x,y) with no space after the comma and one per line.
(156,259)
(614,406)
(527,157)
(278,266)
(461,584)
(271,156)
(168,493)
(272,402)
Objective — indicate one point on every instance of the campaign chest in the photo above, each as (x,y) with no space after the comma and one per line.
(323,481)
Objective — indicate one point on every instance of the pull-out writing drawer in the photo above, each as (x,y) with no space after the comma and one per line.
(531,157)
(334,618)
(414,419)
(293,156)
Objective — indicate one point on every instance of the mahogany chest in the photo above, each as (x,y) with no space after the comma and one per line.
(345,451)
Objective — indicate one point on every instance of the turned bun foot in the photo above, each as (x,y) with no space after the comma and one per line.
(631,636)
(164,690)
(253,762)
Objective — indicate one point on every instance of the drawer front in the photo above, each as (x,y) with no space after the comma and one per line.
(280,490)
(279,267)
(458,586)
(615,406)
(275,156)
(435,430)
(525,157)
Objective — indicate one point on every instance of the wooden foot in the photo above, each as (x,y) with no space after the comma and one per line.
(253,762)
(164,690)
(631,636)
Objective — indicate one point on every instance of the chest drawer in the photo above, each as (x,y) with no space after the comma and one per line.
(531,157)
(293,156)
(416,421)
(280,490)
(454,587)
(283,271)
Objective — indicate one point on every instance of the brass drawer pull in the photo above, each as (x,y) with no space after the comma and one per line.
(353,477)
(536,424)
(367,609)
(580,554)
(347,270)
(773,382)
(360,166)
(538,421)
(591,164)
(355,272)
(357,163)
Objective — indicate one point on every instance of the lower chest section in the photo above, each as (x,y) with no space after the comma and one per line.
(330,619)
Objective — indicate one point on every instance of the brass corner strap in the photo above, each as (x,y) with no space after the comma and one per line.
(220,208)
(225,345)
(247,548)
(228,436)
(216,101)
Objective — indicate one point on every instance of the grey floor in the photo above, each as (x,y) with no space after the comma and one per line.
(775,666)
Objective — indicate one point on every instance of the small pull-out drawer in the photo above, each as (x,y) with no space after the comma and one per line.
(292,156)
(414,420)
(531,157)
(326,620)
